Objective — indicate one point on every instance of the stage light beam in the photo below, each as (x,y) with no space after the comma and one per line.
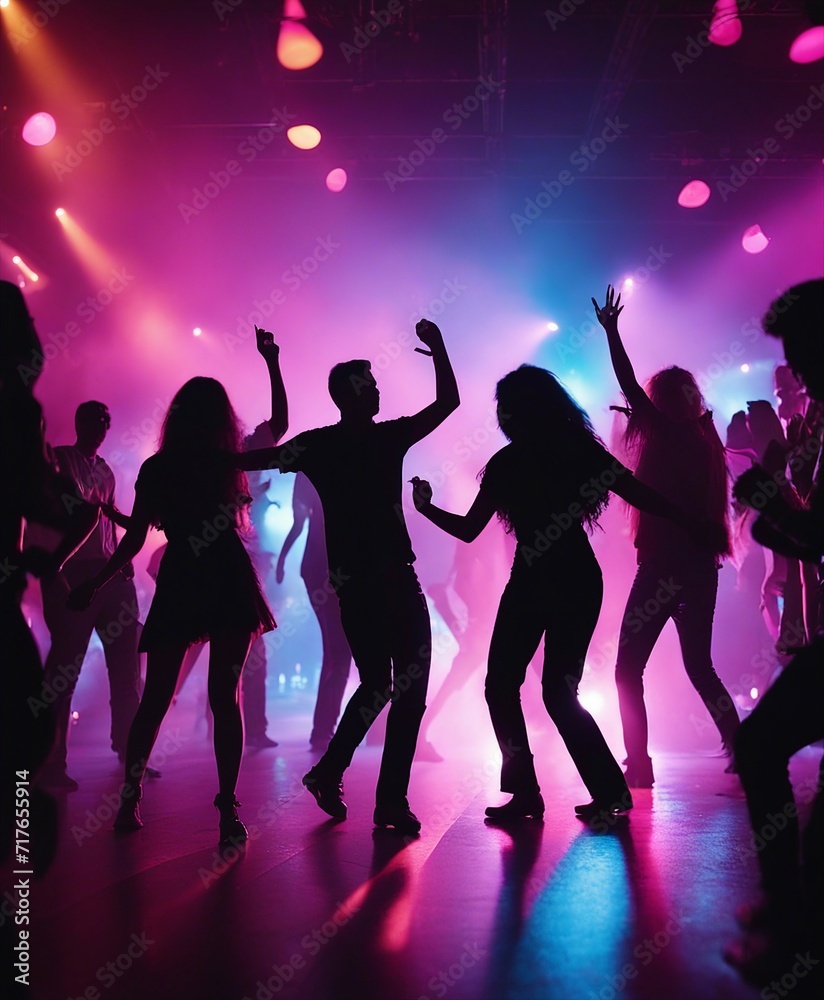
(24,267)
(755,240)
(808,47)
(725,27)
(297,48)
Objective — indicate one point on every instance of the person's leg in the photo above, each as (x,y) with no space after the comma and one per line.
(789,716)
(572,610)
(227,655)
(70,633)
(116,623)
(254,695)
(693,619)
(364,616)
(335,664)
(411,651)
(772,587)
(644,618)
(517,632)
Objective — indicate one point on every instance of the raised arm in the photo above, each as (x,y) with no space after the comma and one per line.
(608,318)
(270,352)
(130,544)
(115,514)
(465,527)
(447,397)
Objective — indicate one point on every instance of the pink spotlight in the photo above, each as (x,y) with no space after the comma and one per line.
(745,368)
(336,179)
(754,240)
(60,212)
(753,693)
(39,129)
(303,136)
(297,47)
(694,194)
(196,332)
(726,28)
(808,46)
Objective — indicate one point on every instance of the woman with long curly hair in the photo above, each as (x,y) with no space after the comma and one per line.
(207,589)
(548,485)
(674,448)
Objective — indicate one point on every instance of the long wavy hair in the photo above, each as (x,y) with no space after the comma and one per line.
(200,429)
(539,417)
(675,393)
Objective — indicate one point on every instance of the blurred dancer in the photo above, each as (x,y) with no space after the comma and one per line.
(676,450)
(314,570)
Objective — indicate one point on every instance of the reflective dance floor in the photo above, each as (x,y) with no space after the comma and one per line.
(312,908)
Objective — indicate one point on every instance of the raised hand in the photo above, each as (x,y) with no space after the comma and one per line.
(607,315)
(755,488)
(421,493)
(266,344)
(81,597)
(428,334)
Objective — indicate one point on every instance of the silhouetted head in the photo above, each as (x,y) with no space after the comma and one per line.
(91,423)
(201,417)
(764,426)
(675,393)
(354,390)
(797,317)
(532,404)
(19,343)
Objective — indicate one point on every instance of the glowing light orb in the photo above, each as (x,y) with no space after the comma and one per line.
(552,326)
(196,332)
(726,28)
(4,3)
(336,179)
(60,212)
(297,47)
(303,136)
(745,368)
(754,240)
(39,129)
(628,283)
(808,46)
(753,693)
(694,194)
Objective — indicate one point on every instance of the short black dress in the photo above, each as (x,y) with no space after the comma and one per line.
(206,583)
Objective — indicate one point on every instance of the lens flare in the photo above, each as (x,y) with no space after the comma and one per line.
(297,47)
(694,194)
(336,179)
(303,136)
(808,46)
(39,129)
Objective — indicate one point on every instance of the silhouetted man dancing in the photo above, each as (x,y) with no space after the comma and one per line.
(356,466)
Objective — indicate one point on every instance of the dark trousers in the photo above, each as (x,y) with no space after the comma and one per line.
(789,716)
(386,621)
(660,592)
(113,614)
(562,605)
(337,658)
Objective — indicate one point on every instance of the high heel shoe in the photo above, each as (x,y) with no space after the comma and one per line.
(128,815)
(232,831)
(522,805)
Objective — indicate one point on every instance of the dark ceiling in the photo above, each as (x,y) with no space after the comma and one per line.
(561,68)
